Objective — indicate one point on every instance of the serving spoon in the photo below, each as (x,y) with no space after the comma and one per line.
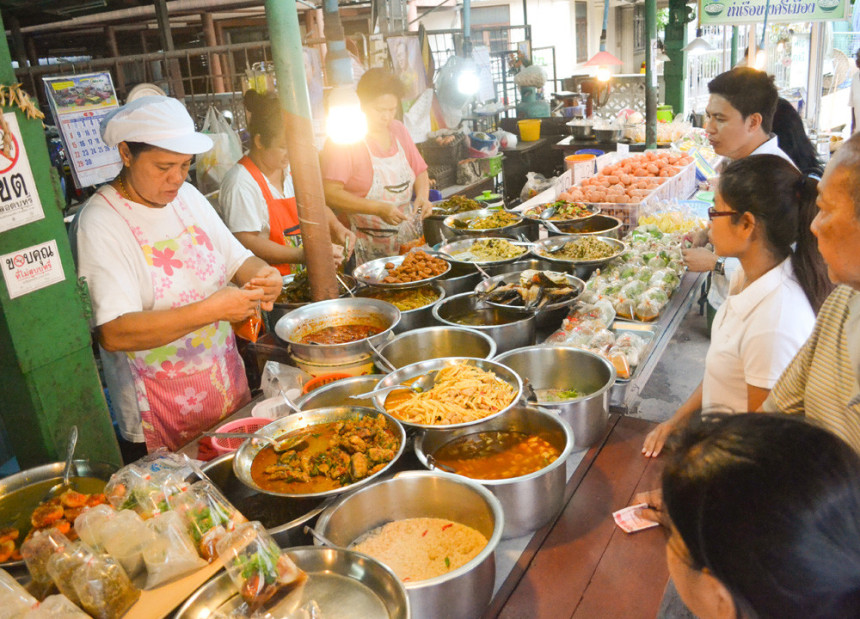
(424,383)
(67,470)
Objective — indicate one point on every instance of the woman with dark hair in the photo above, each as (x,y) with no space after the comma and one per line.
(763,514)
(257,200)
(373,181)
(761,215)
(792,139)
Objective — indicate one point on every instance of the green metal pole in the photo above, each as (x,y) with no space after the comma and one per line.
(650,74)
(48,377)
(675,70)
(735,37)
(283,19)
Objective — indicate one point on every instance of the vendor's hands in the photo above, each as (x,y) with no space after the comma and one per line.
(656,511)
(699,259)
(656,438)
(269,281)
(424,207)
(344,237)
(390,214)
(235,304)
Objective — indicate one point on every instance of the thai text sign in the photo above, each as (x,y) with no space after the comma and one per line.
(735,12)
(19,200)
(32,268)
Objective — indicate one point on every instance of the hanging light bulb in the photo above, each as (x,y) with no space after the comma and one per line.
(345,122)
(603,74)
(760,60)
(467,78)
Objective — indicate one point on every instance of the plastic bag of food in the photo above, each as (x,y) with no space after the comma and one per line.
(14,599)
(257,566)
(124,537)
(38,549)
(146,490)
(170,552)
(56,607)
(535,184)
(89,524)
(649,304)
(602,340)
(104,589)
(631,346)
(208,516)
(250,328)
(63,564)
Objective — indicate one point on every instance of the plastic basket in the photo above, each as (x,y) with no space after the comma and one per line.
(436,154)
(246,424)
(494,165)
(325,379)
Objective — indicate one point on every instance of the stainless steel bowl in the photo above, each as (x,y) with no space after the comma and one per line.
(344,584)
(534,213)
(284,518)
(454,222)
(460,246)
(580,131)
(510,278)
(558,367)
(335,312)
(509,328)
(608,135)
(599,225)
(543,249)
(250,448)
(529,262)
(281,309)
(459,279)
(503,373)
(338,392)
(436,343)
(529,501)
(22,492)
(414,318)
(464,592)
(372,273)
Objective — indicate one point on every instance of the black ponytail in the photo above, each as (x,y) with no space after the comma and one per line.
(783,202)
(266,116)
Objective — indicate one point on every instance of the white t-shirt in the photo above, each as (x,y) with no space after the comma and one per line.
(119,279)
(756,334)
(854,99)
(241,203)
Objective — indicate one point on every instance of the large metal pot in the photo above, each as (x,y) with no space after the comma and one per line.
(434,229)
(338,392)
(599,225)
(415,318)
(580,130)
(529,501)
(281,309)
(521,265)
(509,328)
(298,421)
(461,593)
(458,224)
(436,343)
(559,367)
(459,279)
(335,312)
(284,518)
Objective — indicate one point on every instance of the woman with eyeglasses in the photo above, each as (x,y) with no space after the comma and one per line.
(761,215)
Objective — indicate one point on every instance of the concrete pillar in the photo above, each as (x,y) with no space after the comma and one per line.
(215,59)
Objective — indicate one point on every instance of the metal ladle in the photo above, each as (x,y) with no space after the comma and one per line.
(424,383)
(67,470)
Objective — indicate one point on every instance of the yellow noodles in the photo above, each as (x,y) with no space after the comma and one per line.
(461,393)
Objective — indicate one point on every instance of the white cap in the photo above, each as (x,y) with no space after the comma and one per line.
(158,121)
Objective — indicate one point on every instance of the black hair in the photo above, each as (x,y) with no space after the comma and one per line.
(749,91)
(769,505)
(377,82)
(792,139)
(267,117)
(848,156)
(782,199)
(135,148)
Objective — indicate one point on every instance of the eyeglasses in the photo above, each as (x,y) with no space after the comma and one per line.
(712,212)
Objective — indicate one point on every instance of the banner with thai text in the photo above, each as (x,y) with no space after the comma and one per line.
(734,12)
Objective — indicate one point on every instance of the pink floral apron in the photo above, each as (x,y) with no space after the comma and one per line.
(392,182)
(186,386)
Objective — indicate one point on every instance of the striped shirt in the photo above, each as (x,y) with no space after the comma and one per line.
(821,381)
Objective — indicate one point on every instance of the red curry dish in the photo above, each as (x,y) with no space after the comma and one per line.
(341,334)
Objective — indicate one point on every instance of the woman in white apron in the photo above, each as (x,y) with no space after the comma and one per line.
(373,182)
(158,262)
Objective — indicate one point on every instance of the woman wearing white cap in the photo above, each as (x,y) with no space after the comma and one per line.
(158,262)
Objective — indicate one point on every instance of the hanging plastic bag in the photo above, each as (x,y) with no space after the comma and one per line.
(213,165)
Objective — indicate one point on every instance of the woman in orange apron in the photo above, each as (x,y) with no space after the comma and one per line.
(158,262)
(374,181)
(257,201)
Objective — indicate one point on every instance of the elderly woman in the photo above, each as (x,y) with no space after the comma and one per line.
(257,200)
(159,263)
(372,182)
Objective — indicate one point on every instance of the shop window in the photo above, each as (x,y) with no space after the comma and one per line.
(639,28)
(581,17)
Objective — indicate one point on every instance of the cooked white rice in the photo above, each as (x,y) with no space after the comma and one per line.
(422,548)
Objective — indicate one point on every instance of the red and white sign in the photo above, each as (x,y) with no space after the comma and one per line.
(32,268)
(19,199)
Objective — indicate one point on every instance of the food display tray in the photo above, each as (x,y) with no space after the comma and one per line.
(650,333)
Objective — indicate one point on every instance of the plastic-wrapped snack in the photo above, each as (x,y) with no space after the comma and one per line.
(208,515)
(63,564)
(38,549)
(124,537)
(14,599)
(56,607)
(631,346)
(104,589)
(649,304)
(257,566)
(170,552)
(89,524)
(665,279)
(146,492)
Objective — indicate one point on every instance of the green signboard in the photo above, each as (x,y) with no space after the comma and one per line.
(734,12)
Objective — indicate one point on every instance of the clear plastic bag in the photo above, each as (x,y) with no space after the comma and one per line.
(214,164)
(104,589)
(124,537)
(38,549)
(170,552)
(89,524)
(56,607)
(62,566)
(208,516)
(14,600)
(147,489)
(261,571)
(535,184)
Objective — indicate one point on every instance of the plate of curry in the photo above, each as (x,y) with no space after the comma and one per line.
(321,452)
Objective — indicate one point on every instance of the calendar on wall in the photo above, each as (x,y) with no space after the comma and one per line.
(78,105)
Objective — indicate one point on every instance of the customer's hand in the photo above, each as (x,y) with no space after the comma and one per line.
(699,259)
(656,511)
(656,438)
(390,214)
